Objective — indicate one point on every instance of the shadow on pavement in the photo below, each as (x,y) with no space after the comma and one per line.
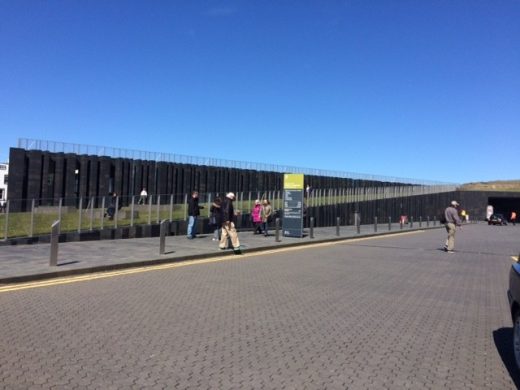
(503,338)
(68,263)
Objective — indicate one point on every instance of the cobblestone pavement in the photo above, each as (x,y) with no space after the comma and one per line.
(29,262)
(391,312)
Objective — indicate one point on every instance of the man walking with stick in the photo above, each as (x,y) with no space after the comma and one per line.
(228,226)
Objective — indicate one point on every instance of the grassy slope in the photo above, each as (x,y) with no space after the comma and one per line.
(505,185)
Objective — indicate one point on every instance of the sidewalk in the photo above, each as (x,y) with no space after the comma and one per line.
(23,263)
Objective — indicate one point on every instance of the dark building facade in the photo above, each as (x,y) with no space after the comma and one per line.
(47,176)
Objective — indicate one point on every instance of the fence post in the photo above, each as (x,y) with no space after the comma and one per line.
(6,226)
(60,204)
(55,235)
(102,214)
(31,229)
(91,213)
(158,208)
(150,200)
(185,207)
(80,208)
(311,228)
(132,208)
(116,212)
(171,207)
(277,229)
(375,224)
(162,241)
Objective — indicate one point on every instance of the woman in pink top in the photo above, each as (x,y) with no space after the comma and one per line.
(256,216)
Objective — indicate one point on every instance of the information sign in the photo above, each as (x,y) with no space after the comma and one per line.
(292,223)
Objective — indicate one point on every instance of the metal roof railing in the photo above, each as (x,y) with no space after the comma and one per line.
(64,147)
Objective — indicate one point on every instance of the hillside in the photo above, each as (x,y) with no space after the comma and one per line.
(499,185)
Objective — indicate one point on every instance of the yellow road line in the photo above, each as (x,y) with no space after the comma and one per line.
(110,274)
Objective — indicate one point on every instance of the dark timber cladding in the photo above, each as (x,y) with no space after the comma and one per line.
(47,176)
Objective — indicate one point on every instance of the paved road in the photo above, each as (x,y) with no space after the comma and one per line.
(383,313)
(29,262)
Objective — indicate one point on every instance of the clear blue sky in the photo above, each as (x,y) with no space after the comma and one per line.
(424,89)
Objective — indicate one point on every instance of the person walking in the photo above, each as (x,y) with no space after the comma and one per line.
(513,218)
(111,209)
(267,212)
(215,218)
(228,226)
(256,216)
(193,213)
(451,221)
(143,196)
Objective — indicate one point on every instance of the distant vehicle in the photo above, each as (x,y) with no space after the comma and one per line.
(497,219)
(513,294)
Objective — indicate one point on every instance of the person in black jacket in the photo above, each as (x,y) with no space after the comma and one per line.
(228,226)
(111,209)
(193,213)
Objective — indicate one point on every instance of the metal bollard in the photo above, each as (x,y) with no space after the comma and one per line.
(411,222)
(358,224)
(428,221)
(389,223)
(55,235)
(401,223)
(162,241)
(311,228)
(337,226)
(277,229)
(375,224)
(434,221)
(420,222)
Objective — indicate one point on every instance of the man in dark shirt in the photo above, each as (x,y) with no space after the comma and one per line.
(452,220)
(193,213)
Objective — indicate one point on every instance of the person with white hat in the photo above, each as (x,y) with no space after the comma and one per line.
(451,221)
(228,226)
